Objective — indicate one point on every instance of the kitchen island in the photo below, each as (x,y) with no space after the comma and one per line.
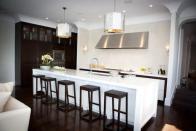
(142,92)
(162,79)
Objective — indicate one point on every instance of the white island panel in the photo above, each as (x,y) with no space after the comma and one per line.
(142,93)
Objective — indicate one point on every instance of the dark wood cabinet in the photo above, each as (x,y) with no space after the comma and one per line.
(32,41)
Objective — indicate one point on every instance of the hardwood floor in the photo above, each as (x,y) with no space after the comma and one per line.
(47,118)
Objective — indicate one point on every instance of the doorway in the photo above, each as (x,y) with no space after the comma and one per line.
(188,65)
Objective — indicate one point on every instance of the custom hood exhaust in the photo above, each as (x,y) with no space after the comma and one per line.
(138,40)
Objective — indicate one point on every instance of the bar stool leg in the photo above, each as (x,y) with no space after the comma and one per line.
(36,88)
(80,102)
(46,87)
(67,94)
(119,104)
(112,110)
(99,103)
(74,93)
(51,91)
(32,83)
(57,94)
(89,104)
(104,111)
(56,87)
(126,110)
(41,86)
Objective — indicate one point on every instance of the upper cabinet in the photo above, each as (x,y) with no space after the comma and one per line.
(32,41)
(31,32)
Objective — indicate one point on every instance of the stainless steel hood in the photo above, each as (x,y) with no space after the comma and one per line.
(138,40)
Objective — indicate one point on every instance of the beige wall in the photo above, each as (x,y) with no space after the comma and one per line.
(152,57)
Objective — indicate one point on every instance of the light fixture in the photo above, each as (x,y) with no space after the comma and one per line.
(124,11)
(114,21)
(100,16)
(167,48)
(83,19)
(85,48)
(150,5)
(63,29)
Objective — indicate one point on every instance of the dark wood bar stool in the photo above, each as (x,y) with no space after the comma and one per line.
(40,92)
(118,95)
(90,116)
(48,88)
(67,106)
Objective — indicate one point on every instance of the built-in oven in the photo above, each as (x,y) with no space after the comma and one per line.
(59,58)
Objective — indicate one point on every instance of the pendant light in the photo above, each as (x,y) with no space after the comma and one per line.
(63,29)
(114,21)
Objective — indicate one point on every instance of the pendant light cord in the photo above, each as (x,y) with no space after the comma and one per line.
(64,8)
(114,5)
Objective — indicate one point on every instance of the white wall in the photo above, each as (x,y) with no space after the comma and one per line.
(43,22)
(7,49)
(154,56)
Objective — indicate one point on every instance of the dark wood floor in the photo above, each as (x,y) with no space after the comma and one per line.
(47,118)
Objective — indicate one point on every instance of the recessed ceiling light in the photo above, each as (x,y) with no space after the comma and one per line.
(100,16)
(128,1)
(46,18)
(83,19)
(150,5)
(124,11)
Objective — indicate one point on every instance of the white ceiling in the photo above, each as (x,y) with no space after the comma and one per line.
(90,10)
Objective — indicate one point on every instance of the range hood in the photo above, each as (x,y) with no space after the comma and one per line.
(138,40)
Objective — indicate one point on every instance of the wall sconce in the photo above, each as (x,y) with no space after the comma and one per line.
(167,48)
(85,48)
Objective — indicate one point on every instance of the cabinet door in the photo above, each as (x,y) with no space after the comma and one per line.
(28,62)
(26,74)
(29,52)
(71,52)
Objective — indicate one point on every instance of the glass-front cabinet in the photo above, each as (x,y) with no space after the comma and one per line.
(39,33)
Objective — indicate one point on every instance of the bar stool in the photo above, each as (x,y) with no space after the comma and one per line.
(118,95)
(92,116)
(67,106)
(40,92)
(48,88)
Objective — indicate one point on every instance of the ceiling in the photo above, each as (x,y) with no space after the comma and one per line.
(90,11)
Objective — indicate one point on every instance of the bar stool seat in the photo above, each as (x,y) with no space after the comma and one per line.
(90,116)
(39,93)
(38,76)
(117,95)
(48,88)
(67,106)
(66,82)
(49,79)
(89,88)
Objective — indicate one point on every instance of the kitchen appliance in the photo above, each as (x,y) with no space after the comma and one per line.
(59,58)
(138,40)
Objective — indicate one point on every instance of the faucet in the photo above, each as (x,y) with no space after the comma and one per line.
(96,59)
(93,59)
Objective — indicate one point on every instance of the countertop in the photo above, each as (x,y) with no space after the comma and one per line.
(127,82)
(130,72)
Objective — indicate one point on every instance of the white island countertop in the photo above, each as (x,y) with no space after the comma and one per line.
(129,72)
(135,82)
(142,92)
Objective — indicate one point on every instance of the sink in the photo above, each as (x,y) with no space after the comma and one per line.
(101,74)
